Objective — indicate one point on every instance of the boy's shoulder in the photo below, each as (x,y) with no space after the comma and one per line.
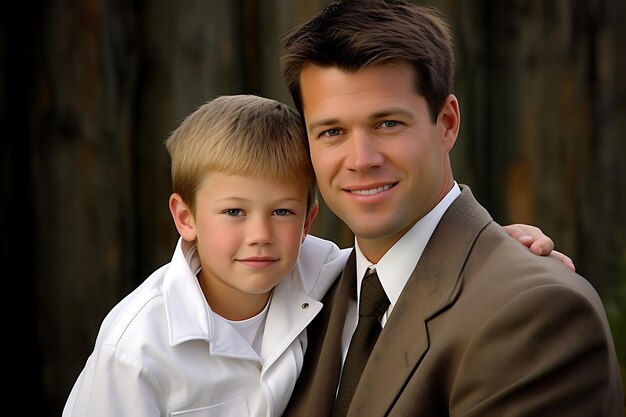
(319,264)
(136,307)
(319,253)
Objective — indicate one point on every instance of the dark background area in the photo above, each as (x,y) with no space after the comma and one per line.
(91,89)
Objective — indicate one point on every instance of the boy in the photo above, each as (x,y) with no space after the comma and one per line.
(193,338)
(200,336)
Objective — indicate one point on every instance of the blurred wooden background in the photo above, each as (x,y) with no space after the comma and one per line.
(92,88)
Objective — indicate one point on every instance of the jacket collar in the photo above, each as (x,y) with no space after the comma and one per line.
(189,317)
(185,307)
(433,286)
(291,310)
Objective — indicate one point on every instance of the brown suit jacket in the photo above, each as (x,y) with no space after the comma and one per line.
(482,328)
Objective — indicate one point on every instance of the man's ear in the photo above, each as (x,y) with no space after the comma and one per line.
(183,217)
(450,122)
(309,219)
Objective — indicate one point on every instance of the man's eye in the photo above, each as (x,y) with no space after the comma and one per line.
(233,212)
(282,212)
(331,132)
(390,123)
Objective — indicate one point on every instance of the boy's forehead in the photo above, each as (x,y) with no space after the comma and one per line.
(237,181)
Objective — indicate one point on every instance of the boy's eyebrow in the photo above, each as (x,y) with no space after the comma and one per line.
(244,199)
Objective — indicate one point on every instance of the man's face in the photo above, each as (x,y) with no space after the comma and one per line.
(381,162)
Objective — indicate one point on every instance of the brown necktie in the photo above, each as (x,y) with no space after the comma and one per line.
(372,305)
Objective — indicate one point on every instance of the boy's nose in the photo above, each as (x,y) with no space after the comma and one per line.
(259,232)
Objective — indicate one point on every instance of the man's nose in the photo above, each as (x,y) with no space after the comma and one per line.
(363,152)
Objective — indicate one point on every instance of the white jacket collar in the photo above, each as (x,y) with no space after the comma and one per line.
(185,306)
(189,317)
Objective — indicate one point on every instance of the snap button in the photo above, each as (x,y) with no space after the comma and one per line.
(305,306)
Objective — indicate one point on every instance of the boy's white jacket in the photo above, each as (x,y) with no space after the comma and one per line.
(162,352)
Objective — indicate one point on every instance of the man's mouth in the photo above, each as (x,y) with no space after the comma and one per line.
(373,191)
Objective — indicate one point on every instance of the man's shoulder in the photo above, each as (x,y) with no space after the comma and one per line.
(499,263)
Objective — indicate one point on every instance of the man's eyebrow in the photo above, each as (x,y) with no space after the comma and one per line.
(323,122)
(395,111)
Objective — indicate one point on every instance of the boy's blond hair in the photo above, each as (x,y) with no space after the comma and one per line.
(240,135)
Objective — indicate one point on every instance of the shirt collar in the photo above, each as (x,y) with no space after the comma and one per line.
(396,266)
(186,309)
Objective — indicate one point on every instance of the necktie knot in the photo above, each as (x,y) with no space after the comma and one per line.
(373,301)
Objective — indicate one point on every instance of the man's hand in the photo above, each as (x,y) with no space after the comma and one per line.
(538,243)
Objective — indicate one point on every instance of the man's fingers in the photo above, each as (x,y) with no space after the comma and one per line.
(566,260)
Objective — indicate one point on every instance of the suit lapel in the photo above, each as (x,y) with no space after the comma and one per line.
(433,286)
(314,394)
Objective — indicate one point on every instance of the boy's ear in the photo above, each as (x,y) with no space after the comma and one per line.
(183,218)
(309,219)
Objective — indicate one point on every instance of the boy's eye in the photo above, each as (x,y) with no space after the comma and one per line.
(282,212)
(233,212)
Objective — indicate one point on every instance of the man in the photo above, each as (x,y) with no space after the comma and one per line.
(473,324)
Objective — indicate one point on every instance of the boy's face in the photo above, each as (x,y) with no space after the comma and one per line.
(248,232)
(381,162)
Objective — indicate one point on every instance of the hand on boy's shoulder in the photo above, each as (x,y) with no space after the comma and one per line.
(538,242)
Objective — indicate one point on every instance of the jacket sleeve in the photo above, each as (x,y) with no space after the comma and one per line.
(546,352)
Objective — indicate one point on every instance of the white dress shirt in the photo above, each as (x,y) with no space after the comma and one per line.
(396,266)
